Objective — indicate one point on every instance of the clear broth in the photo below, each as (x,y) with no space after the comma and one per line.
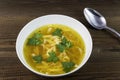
(75,53)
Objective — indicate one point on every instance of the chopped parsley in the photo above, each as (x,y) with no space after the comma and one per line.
(67,66)
(65,44)
(37,35)
(37,58)
(35,39)
(57,32)
(52,57)
(60,47)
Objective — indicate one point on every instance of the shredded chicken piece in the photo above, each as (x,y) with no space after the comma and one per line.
(64,57)
(49,30)
(50,43)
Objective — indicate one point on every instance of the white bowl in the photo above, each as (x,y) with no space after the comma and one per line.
(53,19)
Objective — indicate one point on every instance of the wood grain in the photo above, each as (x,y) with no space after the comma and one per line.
(104,63)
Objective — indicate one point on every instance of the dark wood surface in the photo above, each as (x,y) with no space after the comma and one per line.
(104,63)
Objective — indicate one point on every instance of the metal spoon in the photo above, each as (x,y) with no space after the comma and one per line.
(98,21)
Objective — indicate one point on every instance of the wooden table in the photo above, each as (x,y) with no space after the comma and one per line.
(104,63)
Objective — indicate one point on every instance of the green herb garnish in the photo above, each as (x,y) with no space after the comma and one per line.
(35,39)
(57,32)
(67,66)
(52,57)
(60,47)
(64,44)
(37,59)
(37,35)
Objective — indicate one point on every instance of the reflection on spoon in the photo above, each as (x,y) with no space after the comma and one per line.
(95,19)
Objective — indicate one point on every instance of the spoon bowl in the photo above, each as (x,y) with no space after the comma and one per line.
(96,20)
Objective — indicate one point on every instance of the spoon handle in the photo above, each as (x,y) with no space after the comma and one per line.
(113,31)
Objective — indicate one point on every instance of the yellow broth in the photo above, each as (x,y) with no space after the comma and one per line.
(61,49)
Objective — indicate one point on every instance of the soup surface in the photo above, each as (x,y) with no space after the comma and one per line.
(54,49)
